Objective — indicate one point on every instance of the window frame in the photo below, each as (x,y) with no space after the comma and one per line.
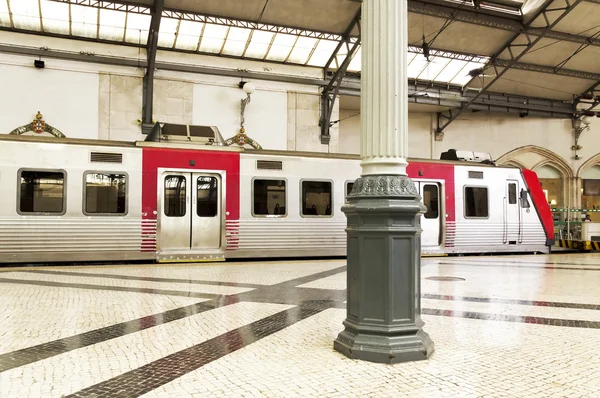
(346,189)
(300,197)
(287,186)
(84,191)
(516,195)
(195,194)
(465,202)
(163,196)
(439,202)
(41,213)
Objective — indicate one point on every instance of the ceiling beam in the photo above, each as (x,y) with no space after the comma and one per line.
(476,18)
(110,5)
(436,52)
(330,92)
(512,46)
(151,47)
(547,69)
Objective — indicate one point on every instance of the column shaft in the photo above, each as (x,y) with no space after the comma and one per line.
(384,105)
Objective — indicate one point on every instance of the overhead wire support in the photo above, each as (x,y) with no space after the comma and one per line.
(331,91)
(514,59)
(151,47)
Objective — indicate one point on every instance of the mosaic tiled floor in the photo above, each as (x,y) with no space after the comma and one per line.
(508,326)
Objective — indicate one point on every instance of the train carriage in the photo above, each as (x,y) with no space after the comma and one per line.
(86,200)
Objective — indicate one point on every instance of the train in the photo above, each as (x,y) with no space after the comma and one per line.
(191,199)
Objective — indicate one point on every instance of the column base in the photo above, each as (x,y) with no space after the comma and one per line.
(384,349)
(383,322)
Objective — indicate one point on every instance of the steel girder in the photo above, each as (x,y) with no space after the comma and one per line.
(433,52)
(330,92)
(151,47)
(510,46)
(434,9)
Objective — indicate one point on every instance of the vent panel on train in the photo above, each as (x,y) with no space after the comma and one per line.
(106,157)
(476,174)
(269,165)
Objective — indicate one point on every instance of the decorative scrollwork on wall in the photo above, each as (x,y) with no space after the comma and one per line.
(242,139)
(38,126)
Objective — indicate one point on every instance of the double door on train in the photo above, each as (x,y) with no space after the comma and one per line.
(191,211)
(431,221)
(513,223)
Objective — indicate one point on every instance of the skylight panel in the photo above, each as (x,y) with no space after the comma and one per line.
(4,16)
(26,14)
(112,25)
(416,66)
(166,32)
(188,35)
(55,17)
(463,77)
(213,38)
(454,67)
(302,50)
(281,47)
(137,28)
(84,21)
(236,42)
(322,53)
(355,64)
(433,68)
(259,44)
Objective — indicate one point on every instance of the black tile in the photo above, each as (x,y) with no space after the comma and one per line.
(578,306)
(112,288)
(167,369)
(513,318)
(39,352)
(144,278)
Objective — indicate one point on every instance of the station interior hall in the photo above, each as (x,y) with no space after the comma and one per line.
(277,198)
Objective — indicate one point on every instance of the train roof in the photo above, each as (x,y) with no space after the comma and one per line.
(192,145)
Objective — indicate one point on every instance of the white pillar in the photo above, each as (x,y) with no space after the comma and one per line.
(384,105)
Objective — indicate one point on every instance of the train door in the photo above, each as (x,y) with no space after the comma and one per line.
(430,222)
(512,214)
(191,214)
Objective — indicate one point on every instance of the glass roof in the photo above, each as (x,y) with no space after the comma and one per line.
(123,23)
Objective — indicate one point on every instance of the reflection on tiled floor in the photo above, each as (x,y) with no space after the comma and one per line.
(516,326)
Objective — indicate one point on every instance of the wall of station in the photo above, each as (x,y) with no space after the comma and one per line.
(104,101)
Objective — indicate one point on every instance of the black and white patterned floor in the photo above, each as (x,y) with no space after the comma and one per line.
(502,326)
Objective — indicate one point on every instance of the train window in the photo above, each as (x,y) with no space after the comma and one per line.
(41,191)
(269,198)
(208,196)
(105,193)
(476,202)
(316,198)
(349,186)
(431,200)
(175,196)
(512,193)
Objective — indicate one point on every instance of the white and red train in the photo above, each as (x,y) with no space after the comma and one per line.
(86,200)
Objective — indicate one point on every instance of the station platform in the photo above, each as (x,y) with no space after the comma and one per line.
(505,326)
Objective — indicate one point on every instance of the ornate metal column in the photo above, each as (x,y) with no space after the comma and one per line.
(383,322)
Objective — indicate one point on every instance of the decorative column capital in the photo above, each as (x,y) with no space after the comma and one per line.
(382,186)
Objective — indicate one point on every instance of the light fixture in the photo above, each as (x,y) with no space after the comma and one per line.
(248,88)
(553,202)
(580,122)
(241,138)
(586,120)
